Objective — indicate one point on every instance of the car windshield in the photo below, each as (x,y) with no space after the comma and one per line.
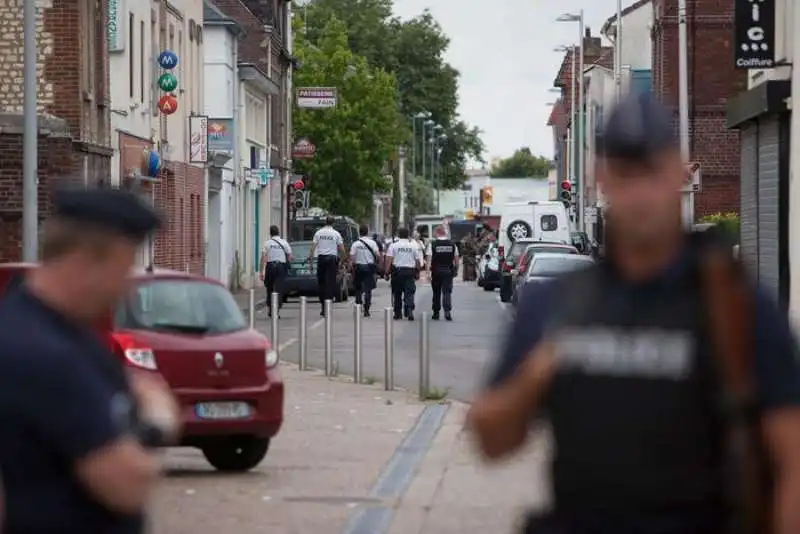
(180,305)
(516,251)
(300,251)
(556,266)
(538,249)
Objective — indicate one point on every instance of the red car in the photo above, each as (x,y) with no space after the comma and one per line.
(224,374)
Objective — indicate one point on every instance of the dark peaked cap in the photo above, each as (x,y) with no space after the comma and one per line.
(637,128)
(116,210)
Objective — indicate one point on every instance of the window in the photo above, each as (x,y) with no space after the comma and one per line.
(556,265)
(256,119)
(131,57)
(192,230)
(142,55)
(254,159)
(549,223)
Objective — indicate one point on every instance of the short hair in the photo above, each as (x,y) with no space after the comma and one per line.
(61,236)
(363,230)
(402,233)
(274,230)
(329,220)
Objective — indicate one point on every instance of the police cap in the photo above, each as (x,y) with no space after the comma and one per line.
(116,210)
(637,129)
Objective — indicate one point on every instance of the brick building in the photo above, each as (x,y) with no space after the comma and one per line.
(712,81)
(73,105)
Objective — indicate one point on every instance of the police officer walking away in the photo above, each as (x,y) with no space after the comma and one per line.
(328,246)
(366,256)
(671,382)
(442,259)
(79,429)
(405,257)
(274,269)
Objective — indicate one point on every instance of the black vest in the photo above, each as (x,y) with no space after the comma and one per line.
(443,254)
(633,406)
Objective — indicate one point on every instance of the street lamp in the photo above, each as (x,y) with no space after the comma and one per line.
(425,125)
(438,171)
(580,134)
(414,118)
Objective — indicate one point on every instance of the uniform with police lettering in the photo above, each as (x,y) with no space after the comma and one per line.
(327,241)
(277,252)
(364,253)
(443,257)
(406,257)
(63,394)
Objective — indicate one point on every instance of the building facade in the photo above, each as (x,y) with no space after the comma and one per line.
(762,116)
(72,103)
(142,31)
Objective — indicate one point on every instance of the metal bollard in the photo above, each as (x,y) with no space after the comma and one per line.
(303,335)
(328,339)
(252,308)
(276,298)
(357,309)
(424,356)
(388,346)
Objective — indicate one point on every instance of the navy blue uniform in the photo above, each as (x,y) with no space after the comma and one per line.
(62,396)
(574,389)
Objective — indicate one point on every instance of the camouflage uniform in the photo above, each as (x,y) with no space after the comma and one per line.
(468,254)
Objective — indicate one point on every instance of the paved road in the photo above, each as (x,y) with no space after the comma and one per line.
(460,350)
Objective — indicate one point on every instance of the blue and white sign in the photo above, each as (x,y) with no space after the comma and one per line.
(167,60)
(264,175)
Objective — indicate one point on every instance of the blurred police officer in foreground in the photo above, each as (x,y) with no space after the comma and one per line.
(274,269)
(366,257)
(405,257)
(648,364)
(442,260)
(78,429)
(328,246)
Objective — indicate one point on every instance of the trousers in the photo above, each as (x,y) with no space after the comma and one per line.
(442,287)
(275,282)
(404,287)
(365,283)
(327,271)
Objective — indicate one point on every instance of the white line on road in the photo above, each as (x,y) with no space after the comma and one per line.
(289,342)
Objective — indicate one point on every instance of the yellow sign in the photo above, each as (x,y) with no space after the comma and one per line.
(486,195)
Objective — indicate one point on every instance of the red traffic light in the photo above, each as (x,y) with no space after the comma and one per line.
(566,185)
(298,185)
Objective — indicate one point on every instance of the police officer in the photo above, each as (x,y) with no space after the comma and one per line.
(366,257)
(405,258)
(328,246)
(78,428)
(442,259)
(648,362)
(274,269)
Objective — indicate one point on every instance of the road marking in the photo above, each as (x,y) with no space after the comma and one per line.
(291,341)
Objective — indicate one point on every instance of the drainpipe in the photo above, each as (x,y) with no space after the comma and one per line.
(287,138)
(237,186)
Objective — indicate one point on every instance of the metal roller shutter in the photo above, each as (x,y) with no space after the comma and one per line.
(748,245)
(768,183)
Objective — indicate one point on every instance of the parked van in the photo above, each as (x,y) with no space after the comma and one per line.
(426,224)
(544,220)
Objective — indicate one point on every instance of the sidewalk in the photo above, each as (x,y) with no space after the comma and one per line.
(352,459)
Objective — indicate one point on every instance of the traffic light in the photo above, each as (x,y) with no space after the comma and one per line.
(566,192)
(298,195)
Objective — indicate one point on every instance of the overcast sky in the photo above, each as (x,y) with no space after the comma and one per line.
(504,51)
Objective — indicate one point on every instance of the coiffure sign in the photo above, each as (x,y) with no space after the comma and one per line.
(754,34)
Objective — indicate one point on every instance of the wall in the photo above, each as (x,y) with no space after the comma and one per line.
(712,80)
(72,92)
(637,46)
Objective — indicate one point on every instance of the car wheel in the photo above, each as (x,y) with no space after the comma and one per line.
(518,229)
(236,455)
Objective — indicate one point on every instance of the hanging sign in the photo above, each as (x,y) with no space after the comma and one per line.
(167,60)
(198,139)
(167,82)
(316,97)
(754,34)
(168,104)
(303,149)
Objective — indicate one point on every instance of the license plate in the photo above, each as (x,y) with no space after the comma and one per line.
(302,272)
(222,410)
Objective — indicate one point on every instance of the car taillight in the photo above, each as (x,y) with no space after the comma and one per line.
(135,354)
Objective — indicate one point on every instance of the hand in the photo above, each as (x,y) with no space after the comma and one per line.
(155,402)
(261,276)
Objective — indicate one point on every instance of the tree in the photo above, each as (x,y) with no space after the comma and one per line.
(522,164)
(413,50)
(419,197)
(356,138)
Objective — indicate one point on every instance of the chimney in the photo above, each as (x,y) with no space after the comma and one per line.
(592,45)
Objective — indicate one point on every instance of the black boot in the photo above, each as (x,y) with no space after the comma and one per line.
(435,316)
(448,316)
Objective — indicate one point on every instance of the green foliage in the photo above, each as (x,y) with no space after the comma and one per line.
(413,50)
(353,140)
(419,197)
(727,222)
(522,164)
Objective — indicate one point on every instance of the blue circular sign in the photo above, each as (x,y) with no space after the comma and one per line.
(168,60)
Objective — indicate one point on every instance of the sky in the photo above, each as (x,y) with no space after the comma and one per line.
(504,51)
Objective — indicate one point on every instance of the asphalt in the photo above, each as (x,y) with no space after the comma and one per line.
(460,351)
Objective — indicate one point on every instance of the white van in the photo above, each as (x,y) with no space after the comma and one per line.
(544,220)
(426,224)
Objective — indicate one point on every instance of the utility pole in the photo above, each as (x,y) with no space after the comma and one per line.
(582,135)
(30,180)
(687,200)
(618,52)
